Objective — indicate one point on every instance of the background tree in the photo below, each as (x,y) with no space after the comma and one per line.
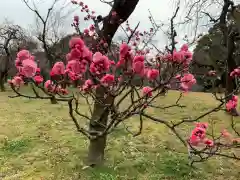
(12,37)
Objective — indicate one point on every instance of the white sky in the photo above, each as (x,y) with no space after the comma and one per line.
(17,12)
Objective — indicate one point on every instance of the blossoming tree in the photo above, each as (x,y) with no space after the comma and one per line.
(99,83)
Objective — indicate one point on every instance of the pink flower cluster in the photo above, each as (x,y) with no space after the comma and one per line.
(107,80)
(184,56)
(147,91)
(235,72)
(135,64)
(89,31)
(16,81)
(198,135)
(51,87)
(77,60)
(25,64)
(88,84)
(232,104)
(27,68)
(81,62)
(100,64)
(229,137)
(187,81)
(57,69)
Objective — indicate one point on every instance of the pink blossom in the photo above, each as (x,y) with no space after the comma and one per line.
(48,85)
(232,104)
(38,79)
(58,69)
(212,73)
(100,64)
(76,19)
(17,81)
(81,3)
(23,55)
(75,69)
(124,49)
(209,142)
(235,72)
(29,68)
(73,76)
(63,91)
(138,65)
(87,54)
(198,135)
(147,91)
(187,81)
(107,80)
(184,47)
(194,140)
(178,56)
(187,57)
(68,57)
(87,85)
(114,13)
(86,31)
(18,62)
(138,68)
(235,98)
(152,74)
(92,28)
(76,41)
(226,134)
(75,54)
(38,70)
(178,76)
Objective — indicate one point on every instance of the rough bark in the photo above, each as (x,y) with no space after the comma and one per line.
(231,65)
(100,114)
(123,9)
(2,80)
(229,36)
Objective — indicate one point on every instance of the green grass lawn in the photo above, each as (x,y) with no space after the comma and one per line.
(38,141)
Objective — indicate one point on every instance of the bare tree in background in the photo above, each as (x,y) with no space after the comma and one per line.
(11,36)
(49,29)
(223,17)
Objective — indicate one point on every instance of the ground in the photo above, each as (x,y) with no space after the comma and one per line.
(38,141)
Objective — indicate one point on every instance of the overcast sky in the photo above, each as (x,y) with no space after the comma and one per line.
(17,12)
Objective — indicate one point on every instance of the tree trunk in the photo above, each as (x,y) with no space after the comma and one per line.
(100,113)
(2,80)
(53,100)
(231,65)
(96,149)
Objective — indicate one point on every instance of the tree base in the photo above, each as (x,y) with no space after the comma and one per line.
(53,101)
(96,152)
(2,87)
